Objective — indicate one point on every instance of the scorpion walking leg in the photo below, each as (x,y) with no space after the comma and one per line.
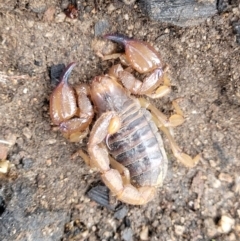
(162,122)
(111,177)
(178,153)
(173,120)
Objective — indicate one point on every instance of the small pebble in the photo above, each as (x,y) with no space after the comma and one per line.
(111,8)
(121,213)
(49,14)
(225,224)
(27,163)
(60,17)
(179,230)
(37,6)
(225,177)
(51,141)
(101,27)
(126,16)
(144,233)
(27,132)
(127,234)
(49,162)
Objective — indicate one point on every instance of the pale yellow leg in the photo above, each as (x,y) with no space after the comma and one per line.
(173,120)
(162,122)
(83,155)
(178,153)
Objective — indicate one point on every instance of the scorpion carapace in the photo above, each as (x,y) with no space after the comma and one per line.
(124,143)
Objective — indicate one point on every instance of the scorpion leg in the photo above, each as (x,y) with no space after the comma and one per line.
(174,120)
(111,177)
(178,153)
(162,122)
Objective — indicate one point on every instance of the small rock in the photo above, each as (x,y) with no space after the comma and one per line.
(129,2)
(225,177)
(121,213)
(179,230)
(216,183)
(225,224)
(236,30)
(27,132)
(213,163)
(181,13)
(49,162)
(49,14)
(144,233)
(60,18)
(126,16)
(236,187)
(27,163)
(2,205)
(127,234)
(64,4)
(55,73)
(101,27)
(111,8)
(37,6)
(51,141)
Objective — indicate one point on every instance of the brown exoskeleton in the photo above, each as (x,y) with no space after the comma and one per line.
(124,144)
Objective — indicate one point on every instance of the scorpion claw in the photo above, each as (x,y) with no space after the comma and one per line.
(62,100)
(140,55)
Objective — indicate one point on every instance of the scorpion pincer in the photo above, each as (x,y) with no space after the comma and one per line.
(124,143)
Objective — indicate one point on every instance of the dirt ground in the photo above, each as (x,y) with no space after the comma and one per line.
(43,197)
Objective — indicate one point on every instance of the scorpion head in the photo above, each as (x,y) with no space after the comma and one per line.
(107,94)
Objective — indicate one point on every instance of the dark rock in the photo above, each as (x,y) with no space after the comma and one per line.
(226,5)
(179,12)
(2,205)
(236,30)
(55,73)
(121,212)
(27,163)
(5,196)
(100,194)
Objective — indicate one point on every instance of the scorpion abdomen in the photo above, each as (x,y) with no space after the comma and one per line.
(138,146)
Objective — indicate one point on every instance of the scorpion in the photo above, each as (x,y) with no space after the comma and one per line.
(124,143)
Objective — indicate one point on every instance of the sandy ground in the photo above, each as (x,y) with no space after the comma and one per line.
(43,197)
